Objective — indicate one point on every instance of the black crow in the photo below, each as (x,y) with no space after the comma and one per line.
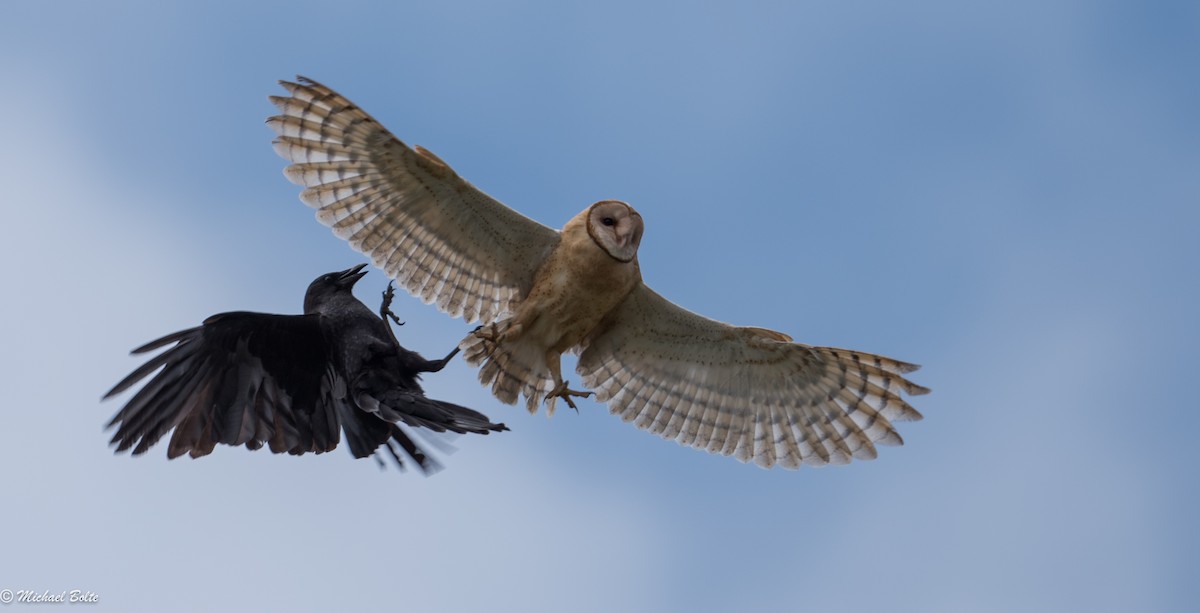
(290,382)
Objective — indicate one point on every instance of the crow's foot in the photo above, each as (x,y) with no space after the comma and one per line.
(385,309)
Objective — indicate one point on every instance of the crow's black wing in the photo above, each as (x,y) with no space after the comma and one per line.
(250,379)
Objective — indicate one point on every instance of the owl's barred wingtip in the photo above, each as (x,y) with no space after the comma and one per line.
(281,103)
(291,87)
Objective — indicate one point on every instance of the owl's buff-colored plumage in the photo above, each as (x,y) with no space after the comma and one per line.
(745,392)
(522,353)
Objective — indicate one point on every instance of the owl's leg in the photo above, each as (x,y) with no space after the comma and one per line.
(554,362)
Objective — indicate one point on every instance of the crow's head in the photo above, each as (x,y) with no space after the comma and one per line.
(331,285)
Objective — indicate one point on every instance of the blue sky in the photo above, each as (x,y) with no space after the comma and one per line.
(1004,192)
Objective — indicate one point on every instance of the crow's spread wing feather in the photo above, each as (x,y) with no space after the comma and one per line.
(251,379)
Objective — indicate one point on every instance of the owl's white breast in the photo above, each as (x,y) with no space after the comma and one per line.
(573,290)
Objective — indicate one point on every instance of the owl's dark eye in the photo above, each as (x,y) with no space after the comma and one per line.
(608,221)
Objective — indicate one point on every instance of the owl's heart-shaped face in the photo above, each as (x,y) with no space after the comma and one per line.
(616,228)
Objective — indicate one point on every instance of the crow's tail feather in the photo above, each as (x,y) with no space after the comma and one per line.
(415,410)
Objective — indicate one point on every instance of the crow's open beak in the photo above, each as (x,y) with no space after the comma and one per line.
(350,276)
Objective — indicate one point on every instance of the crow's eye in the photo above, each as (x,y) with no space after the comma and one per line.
(608,221)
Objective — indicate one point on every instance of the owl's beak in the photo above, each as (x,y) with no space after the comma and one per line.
(631,238)
(624,238)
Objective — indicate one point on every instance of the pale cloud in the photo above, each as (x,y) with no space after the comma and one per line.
(103,277)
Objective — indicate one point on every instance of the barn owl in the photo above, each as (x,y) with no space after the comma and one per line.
(745,392)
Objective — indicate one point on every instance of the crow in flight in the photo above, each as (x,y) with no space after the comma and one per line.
(290,382)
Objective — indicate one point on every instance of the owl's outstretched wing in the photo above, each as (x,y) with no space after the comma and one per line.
(746,392)
(439,236)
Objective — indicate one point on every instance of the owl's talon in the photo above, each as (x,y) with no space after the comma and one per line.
(487,333)
(564,392)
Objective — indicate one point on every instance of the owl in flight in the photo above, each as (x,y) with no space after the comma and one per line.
(747,392)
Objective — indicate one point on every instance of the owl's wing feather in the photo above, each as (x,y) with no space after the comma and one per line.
(439,236)
(746,392)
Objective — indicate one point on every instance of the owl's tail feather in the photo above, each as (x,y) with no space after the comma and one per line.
(512,367)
